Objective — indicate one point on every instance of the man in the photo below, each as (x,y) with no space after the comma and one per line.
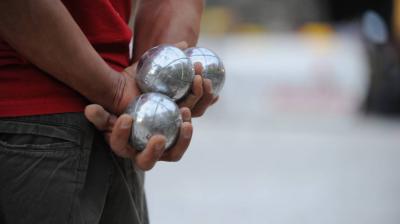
(56,57)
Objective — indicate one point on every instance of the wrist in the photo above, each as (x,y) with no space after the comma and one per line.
(171,22)
(124,91)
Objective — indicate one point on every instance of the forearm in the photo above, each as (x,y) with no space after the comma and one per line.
(168,21)
(45,33)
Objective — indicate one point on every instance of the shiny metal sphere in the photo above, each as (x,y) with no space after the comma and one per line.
(165,69)
(154,113)
(213,68)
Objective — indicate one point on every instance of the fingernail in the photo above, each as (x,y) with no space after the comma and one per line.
(160,147)
(126,124)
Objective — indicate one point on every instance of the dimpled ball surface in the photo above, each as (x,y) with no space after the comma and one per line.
(165,69)
(213,68)
(154,113)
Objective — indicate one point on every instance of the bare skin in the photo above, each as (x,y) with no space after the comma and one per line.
(117,130)
(44,32)
(173,21)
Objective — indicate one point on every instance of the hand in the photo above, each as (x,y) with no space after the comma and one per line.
(126,89)
(198,100)
(117,131)
(200,97)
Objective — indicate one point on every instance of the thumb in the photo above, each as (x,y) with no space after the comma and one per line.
(103,120)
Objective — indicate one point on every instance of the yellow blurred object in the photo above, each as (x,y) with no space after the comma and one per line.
(221,20)
(249,28)
(396,19)
(317,29)
(216,20)
(320,35)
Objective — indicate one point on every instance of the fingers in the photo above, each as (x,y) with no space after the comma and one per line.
(146,159)
(201,96)
(205,101)
(195,95)
(214,100)
(185,135)
(176,153)
(117,133)
(119,137)
(103,120)
(186,114)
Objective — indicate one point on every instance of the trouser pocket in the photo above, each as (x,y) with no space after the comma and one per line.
(39,166)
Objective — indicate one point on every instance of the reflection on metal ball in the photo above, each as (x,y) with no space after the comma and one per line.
(213,68)
(165,69)
(154,113)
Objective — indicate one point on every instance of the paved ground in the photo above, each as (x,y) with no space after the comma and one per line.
(286,144)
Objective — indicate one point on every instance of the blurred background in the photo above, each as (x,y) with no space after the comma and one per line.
(306,129)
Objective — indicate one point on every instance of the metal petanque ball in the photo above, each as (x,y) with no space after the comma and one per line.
(154,113)
(165,69)
(213,68)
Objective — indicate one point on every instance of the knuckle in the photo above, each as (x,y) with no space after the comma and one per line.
(196,115)
(145,163)
(115,147)
(202,112)
(145,166)
(169,159)
(116,150)
(209,97)
(175,157)
(199,113)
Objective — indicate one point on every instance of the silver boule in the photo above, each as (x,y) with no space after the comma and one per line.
(213,68)
(165,69)
(154,113)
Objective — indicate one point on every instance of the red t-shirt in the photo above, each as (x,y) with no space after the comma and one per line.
(27,90)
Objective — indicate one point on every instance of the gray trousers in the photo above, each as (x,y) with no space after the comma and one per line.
(58,169)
